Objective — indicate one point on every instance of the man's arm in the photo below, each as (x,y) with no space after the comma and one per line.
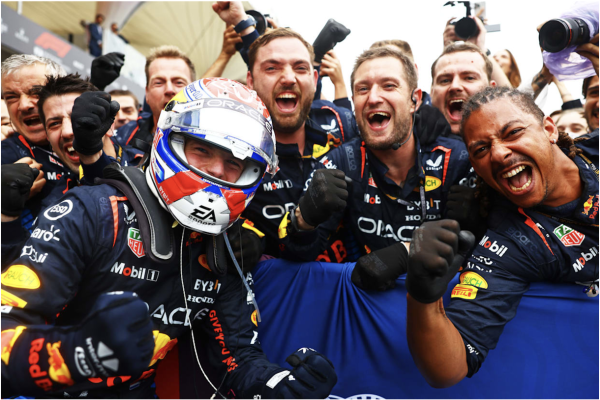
(435,345)
(230,38)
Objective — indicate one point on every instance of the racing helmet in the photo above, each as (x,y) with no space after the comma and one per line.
(212,121)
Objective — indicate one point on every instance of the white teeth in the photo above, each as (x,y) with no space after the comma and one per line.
(71,148)
(525,186)
(513,172)
(384,114)
(287,96)
(456,101)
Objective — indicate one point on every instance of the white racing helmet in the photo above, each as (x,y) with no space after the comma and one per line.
(215,116)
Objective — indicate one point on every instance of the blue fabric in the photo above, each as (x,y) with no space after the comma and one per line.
(549,350)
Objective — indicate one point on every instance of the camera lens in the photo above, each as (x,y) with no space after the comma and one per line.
(558,34)
(466,28)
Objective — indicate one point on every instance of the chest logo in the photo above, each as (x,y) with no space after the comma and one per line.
(134,241)
(568,236)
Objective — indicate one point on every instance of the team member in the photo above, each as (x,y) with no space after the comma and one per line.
(21,75)
(168,70)
(458,73)
(590,93)
(396,183)
(129,107)
(70,320)
(546,190)
(281,72)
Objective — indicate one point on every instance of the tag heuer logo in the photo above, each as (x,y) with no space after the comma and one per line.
(568,236)
(134,241)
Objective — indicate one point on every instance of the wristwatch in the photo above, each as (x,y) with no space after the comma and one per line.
(250,21)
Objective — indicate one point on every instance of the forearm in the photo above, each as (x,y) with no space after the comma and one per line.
(435,345)
(564,92)
(340,90)
(539,82)
(217,68)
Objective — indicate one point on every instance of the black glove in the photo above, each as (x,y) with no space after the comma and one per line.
(463,207)
(313,377)
(437,250)
(430,123)
(332,33)
(250,246)
(115,339)
(92,116)
(17,180)
(326,194)
(378,270)
(106,68)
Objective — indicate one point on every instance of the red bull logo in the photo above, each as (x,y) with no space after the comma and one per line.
(58,370)
(588,205)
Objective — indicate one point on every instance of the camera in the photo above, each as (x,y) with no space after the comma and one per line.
(464,27)
(261,21)
(558,34)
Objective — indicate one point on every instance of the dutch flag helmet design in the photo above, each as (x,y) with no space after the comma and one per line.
(207,118)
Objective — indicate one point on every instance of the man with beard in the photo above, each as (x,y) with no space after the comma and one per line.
(458,73)
(545,189)
(282,74)
(396,183)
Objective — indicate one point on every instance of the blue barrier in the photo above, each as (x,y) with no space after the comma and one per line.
(550,349)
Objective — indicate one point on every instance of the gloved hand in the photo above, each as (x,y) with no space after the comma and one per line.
(246,243)
(106,68)
(114,340)
(379,269)
(326,194)
(313,377)
(430,123)
(332,33)
(17,180)
(437,250)
(92,116)
(463,207)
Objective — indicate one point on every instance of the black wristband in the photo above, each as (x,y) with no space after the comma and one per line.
(250,21)
(292,226)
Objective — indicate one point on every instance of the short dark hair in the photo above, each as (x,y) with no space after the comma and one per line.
(380,52)
(118,92)
(268,37)
(491,93)
(403,46)
(586,85)
(459,47)
(59,86)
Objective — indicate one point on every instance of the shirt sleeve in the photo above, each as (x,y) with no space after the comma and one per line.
(491,284)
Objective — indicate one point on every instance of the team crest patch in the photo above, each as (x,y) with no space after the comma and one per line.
(568,236)
(134,241)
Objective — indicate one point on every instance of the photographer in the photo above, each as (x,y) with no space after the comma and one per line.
(478,40)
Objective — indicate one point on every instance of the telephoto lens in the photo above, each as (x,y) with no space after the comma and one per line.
(558,34)
(466,28)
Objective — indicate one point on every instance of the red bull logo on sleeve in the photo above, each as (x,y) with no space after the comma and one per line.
(58,370)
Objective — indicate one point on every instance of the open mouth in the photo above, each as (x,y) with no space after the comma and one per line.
(287,102)
(71,153)
(518,179)
(378,119)
(455,109)
(32,120)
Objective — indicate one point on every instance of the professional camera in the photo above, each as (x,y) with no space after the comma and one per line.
(466,27)
(261,21)
(558,34)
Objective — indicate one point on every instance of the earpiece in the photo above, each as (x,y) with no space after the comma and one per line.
(412,97)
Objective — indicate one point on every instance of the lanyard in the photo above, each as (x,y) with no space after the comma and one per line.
(590,164)
(423,205)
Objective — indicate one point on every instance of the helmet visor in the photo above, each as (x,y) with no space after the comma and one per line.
(241,133)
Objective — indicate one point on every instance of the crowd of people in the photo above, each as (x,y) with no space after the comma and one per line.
(154,213)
